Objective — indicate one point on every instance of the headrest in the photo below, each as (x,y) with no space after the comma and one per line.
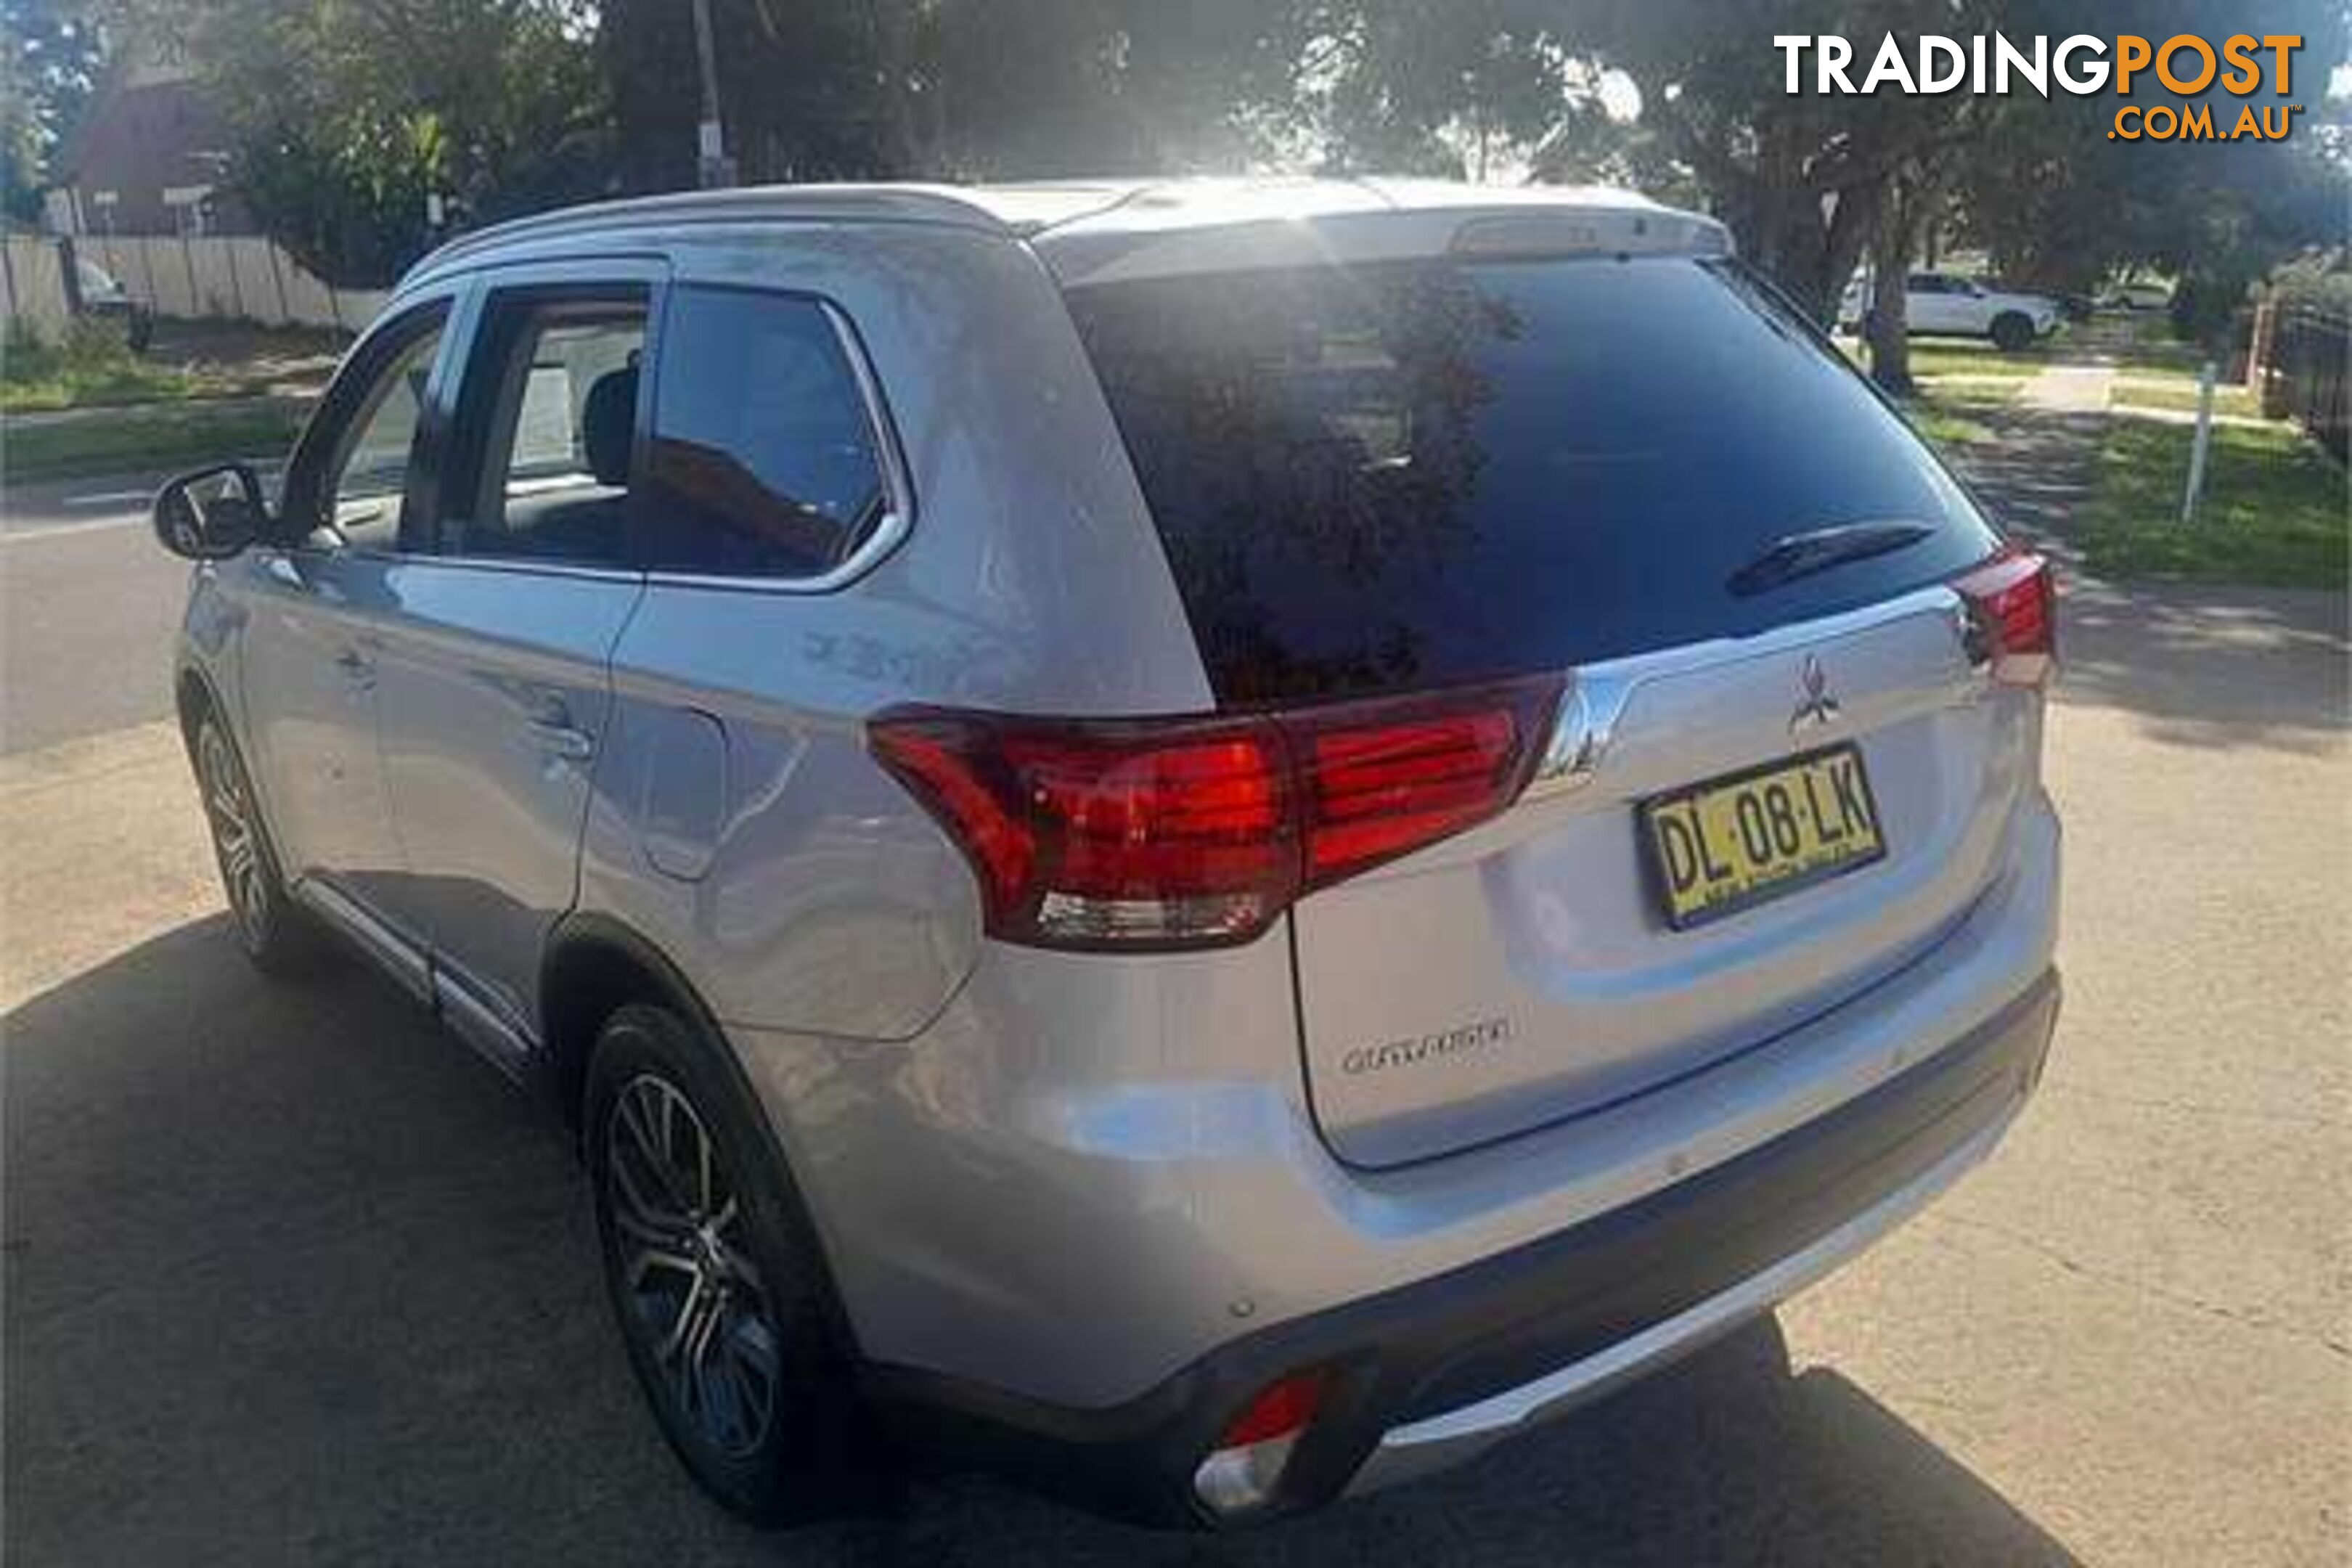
(608,425)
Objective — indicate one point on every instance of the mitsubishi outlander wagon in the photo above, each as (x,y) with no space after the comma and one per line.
(1213,842)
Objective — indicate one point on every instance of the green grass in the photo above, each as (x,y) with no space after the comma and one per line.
(1942,358)
(156,435)
(132,381)
(2182,395)
(90,365)
(2276,510)
(1938,358)
(2148,348)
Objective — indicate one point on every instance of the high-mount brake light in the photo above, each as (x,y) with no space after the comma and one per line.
(2012,603)
(1196,832)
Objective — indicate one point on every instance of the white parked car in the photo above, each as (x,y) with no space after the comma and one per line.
(1939,304)
(2137,297)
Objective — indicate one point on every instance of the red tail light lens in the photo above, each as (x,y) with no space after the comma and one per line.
(1195,832)
(1281,1410)
(1243,1471)
(2013,606)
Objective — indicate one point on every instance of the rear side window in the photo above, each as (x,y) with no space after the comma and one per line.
(549,416)
(764,462)
(1412,474)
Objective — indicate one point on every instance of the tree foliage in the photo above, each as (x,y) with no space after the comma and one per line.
(346,115)
(350,112)
(50,56)
(2059,205)
(950,88)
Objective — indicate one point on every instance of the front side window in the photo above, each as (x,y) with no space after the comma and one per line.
(763,461)
(547,430)
(368,479)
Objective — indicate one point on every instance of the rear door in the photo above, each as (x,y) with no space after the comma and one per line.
(494,678)
(1644,473)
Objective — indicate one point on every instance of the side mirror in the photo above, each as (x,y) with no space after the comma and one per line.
(213,513)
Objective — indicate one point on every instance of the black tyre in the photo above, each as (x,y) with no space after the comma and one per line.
(717,1279)
(276,934)
(2012,333)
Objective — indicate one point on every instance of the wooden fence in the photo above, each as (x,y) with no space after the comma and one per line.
(2303,377)
(193,276)
(33,285)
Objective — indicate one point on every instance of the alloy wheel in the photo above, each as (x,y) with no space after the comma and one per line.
(236,837)
(692,1295)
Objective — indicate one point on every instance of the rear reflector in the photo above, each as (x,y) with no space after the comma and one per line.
(1196,832)
(2012,603)
(1281,1410)
(1245,1466)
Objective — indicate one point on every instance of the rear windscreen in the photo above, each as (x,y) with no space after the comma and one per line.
(1412,474)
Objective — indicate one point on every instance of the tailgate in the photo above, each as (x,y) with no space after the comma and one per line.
(1528,970)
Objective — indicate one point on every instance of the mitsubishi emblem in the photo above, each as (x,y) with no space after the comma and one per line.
(1815,706)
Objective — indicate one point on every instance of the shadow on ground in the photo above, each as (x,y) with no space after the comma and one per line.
(2037,471)
(2210,666)
(292,1278)
(2205,665)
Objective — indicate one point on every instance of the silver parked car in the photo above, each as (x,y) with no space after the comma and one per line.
(1218,842)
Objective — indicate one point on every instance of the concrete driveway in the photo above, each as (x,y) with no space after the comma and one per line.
(288,1277)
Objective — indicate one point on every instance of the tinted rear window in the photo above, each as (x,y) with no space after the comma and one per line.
(1415,474)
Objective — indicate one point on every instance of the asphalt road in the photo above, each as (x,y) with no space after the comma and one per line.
(291,1277)
(88,601)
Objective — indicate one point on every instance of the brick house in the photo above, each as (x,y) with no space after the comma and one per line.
(147,157)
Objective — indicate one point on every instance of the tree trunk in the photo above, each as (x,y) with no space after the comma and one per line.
(1887,324)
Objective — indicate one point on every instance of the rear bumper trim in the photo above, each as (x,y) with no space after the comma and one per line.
(1437,1442)
(1425,1374)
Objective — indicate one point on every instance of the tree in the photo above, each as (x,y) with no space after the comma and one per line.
(346,115)
(2059,205)
(950,88)
(50,56)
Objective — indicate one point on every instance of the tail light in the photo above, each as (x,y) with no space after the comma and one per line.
(1196,832)
(2012,603)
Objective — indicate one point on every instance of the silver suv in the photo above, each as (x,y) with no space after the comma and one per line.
(1215,841)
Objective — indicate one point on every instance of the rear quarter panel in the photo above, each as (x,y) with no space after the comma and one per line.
(738,822)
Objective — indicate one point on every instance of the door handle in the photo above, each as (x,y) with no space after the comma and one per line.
(563,741)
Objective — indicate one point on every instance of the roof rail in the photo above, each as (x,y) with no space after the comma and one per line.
(868,203)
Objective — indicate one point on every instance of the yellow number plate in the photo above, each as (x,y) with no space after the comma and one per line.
(1730,844)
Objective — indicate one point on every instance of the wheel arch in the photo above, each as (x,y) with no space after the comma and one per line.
(192,697)
(595,965)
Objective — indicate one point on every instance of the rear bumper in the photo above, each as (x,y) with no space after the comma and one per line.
(1425,1374)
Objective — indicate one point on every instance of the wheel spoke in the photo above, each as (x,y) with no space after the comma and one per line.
(714,1310)
(682,1330)
(644,1260)
(646,1226)
(746,1272)
(655,1159)
(668,1222)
